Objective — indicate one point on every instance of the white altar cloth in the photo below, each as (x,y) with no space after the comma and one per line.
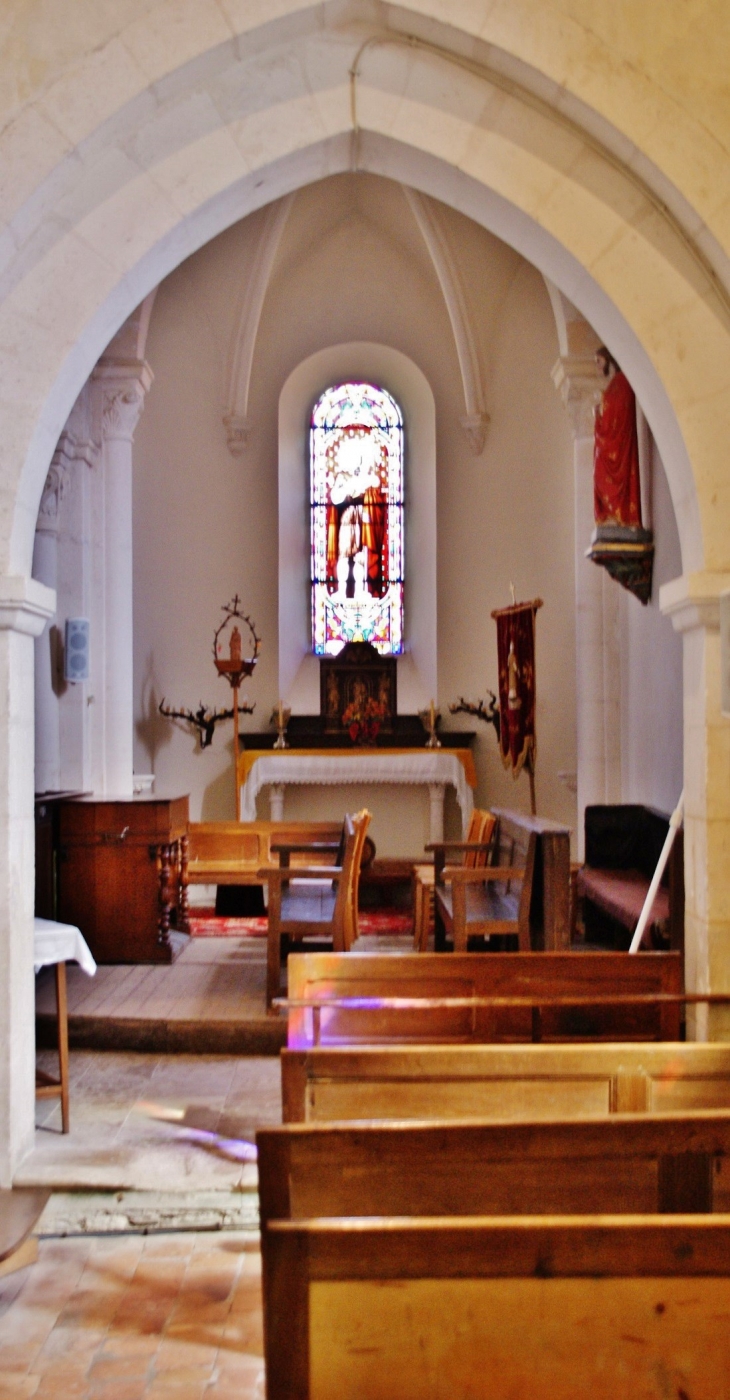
(432,768)
(56,943)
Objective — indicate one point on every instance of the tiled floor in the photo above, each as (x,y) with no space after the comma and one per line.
(113,1144)
(166,1317)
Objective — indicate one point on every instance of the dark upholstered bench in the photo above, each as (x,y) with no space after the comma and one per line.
(623,845)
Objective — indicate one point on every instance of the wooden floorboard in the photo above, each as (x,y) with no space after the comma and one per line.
(212,996)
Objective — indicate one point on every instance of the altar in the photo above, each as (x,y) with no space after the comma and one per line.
(435,769)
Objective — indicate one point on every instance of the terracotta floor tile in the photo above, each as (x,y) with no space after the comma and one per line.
(18,1387)
(173,1352)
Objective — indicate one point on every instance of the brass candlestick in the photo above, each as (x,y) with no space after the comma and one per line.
(281,717)
(429,719)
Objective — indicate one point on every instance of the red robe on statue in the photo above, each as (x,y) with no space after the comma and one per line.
(373,522)
(616,481)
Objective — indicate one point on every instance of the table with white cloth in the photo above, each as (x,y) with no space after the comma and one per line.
(435,769)
(54,945)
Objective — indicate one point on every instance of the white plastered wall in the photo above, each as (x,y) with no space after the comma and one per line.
(352,266)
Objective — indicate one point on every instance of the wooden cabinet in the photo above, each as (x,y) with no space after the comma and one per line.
(117,860)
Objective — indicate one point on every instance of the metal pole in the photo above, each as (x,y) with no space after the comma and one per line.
(237,803)
(675,821)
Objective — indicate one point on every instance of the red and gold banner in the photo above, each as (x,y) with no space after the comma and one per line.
(516,659)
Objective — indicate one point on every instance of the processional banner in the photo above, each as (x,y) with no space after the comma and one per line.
(516,660)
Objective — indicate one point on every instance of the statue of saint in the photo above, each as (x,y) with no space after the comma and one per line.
(235,646)
(616,480)
(357,522)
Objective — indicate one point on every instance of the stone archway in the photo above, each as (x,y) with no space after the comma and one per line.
(136,150)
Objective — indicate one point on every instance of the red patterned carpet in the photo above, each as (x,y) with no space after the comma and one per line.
(204,924)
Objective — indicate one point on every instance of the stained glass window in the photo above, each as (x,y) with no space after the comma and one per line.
(356,492)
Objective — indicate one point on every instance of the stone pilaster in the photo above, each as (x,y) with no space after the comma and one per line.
(598,673)
(25,607)
(693,603)
(122,386)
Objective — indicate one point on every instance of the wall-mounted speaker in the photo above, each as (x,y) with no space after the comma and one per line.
(76,650)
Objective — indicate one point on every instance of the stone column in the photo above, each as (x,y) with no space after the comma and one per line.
(123,385)
(25,607)
(598,671)
(693,603)
(45,570)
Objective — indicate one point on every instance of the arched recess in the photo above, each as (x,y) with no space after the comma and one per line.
(394,371)
(187,157)
(126,158)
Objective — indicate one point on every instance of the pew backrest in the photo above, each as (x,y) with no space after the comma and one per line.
(502,1081)
(566,1307)
(318,977)
(222,853)
(611,1166)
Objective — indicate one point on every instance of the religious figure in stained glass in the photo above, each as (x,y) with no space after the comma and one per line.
(357,519)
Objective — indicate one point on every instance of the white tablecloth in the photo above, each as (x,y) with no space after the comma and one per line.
(55,943)
(425,767)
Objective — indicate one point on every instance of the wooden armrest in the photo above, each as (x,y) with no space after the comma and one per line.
(472,876)
(458,846)
(277,874)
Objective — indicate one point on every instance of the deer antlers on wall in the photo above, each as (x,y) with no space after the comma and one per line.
(203,719)
(489,714)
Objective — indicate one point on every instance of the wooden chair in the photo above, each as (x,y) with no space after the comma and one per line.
(558,1306)
(328,909)
(476,850)
(483,901)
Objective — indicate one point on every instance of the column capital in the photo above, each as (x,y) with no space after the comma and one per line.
(580,385)
(693,600)
(124,385)
(53,493)
(25,605)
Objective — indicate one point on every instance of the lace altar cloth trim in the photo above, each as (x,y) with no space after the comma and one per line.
(424,767)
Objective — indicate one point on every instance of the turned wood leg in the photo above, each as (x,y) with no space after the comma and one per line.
(62,1020)
(164,858)
(183,902)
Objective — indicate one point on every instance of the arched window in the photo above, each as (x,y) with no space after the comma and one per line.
(356,493)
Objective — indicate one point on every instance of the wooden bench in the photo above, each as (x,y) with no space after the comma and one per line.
(623,843)
(565,1307)
(611,1166)
(233,853)
(367,978)
(502,1081)
(530,907)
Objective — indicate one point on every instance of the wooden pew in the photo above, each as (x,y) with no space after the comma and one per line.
(510,1309)
(232,853)
(502,1081)
(621,1165)
(317,977)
